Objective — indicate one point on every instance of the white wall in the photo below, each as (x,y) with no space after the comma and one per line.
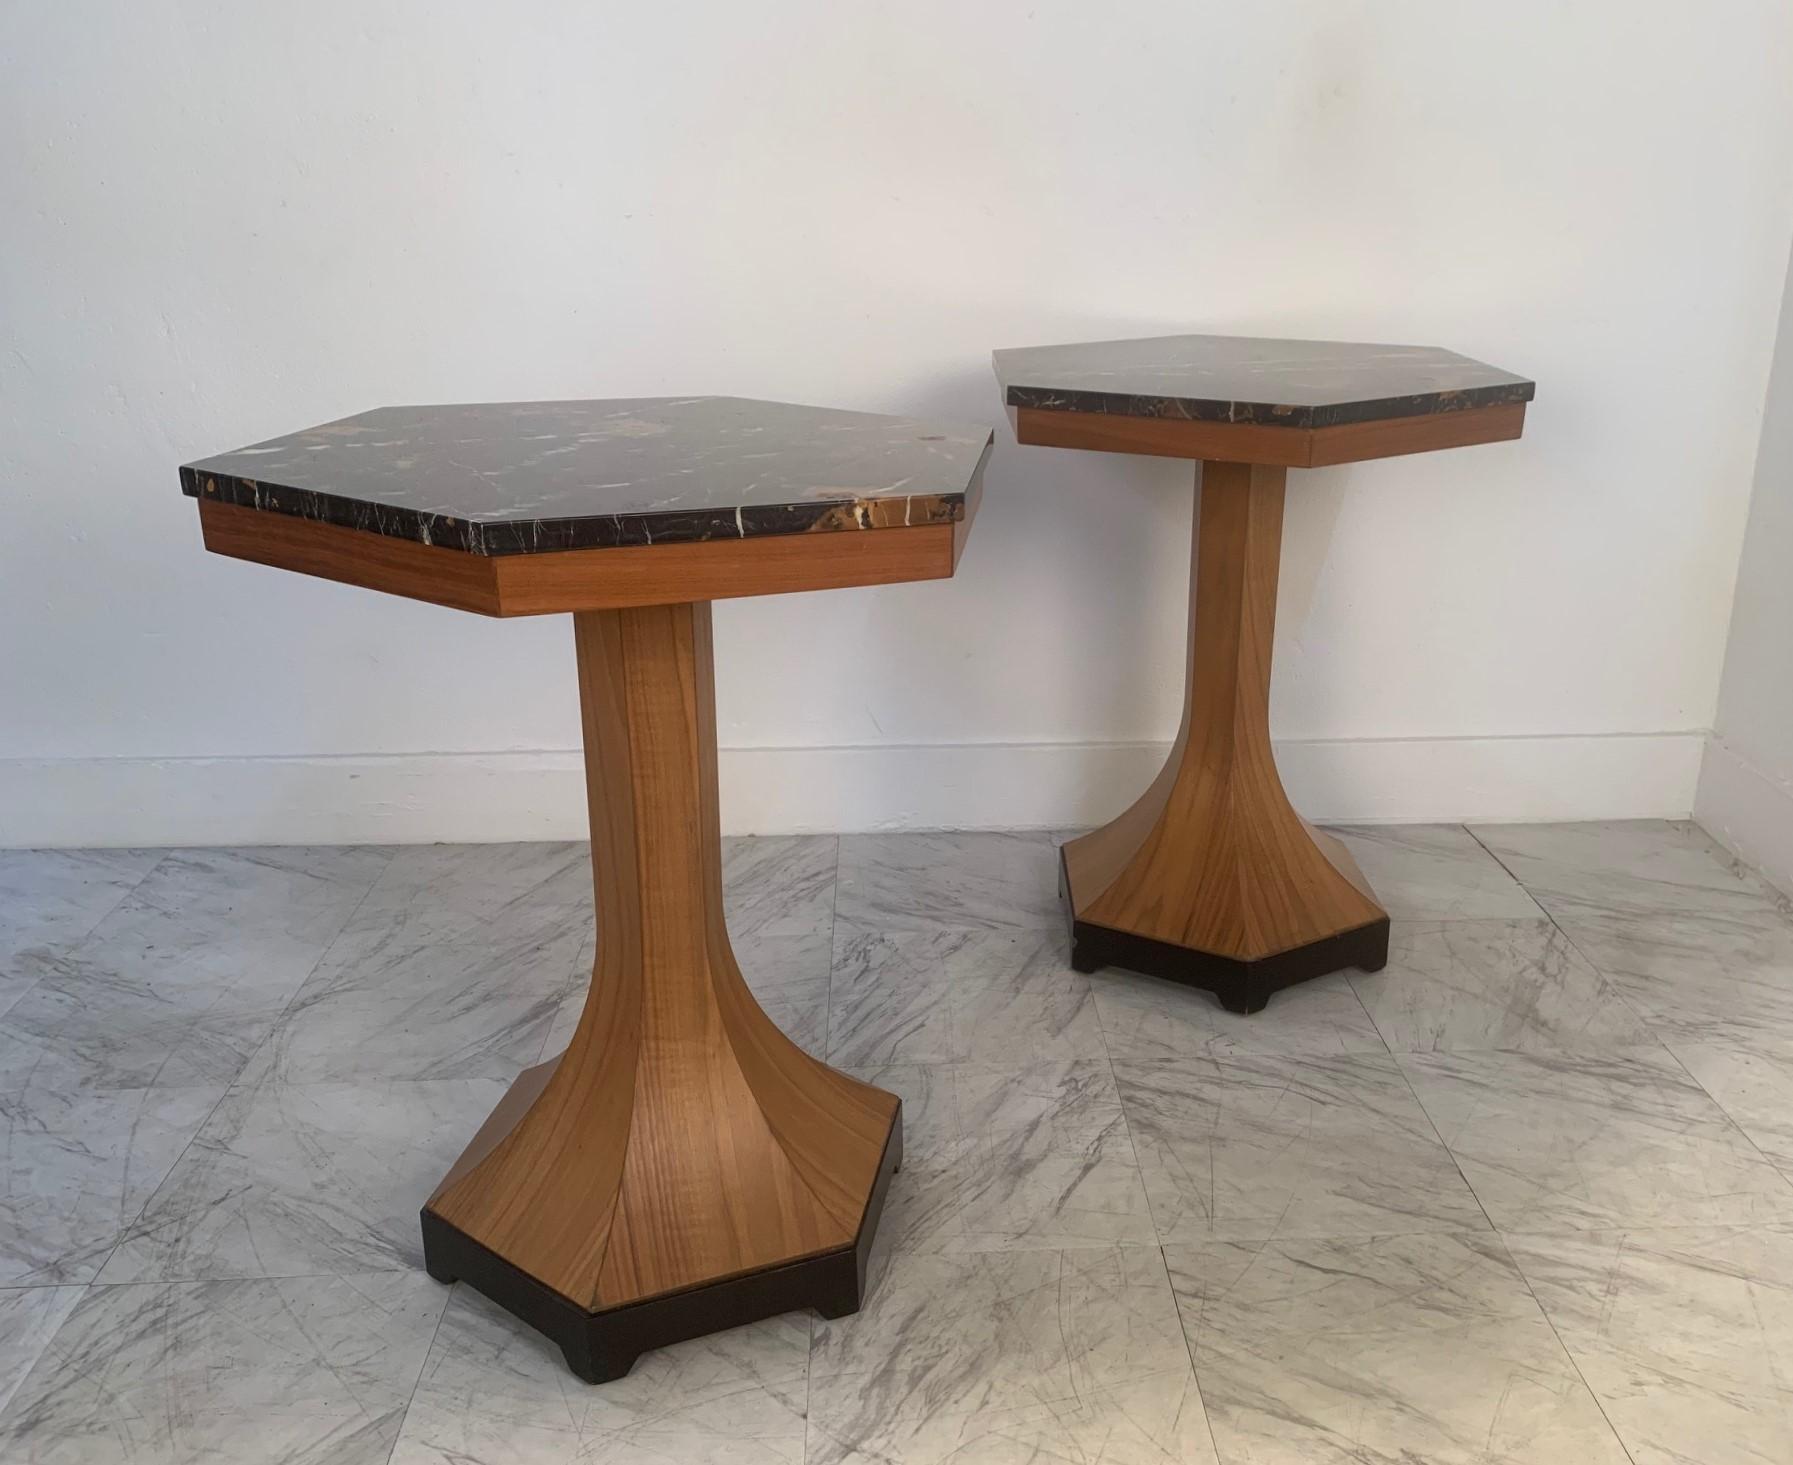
(1746,782)
(224,221)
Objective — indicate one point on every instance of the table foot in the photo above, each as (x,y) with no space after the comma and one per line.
(602,1346)
(1239,986)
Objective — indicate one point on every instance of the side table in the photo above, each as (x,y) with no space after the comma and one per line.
(683,1166)
(1211,878)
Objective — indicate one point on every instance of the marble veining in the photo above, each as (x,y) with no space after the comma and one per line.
(779,885)
(452,889)
(1725,971)
(75,1168)
(1752,1081)
(82,1026)
(1382,1351)
(425,998)
(186,976)
(29,1318)
(1252,379)
(972,881)
(494,1391)
(1516,985)
(1253,1148)
(1045,1355)
(311,1370)
(196,1273)
(1583,1141)
(1436,872)
(1684,1335)
(956,995)
(1011,1158)
(788,976)
(49,898)
(1646,866)
(501,478)
(287,1180)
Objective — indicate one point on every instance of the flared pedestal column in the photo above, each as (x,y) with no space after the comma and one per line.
(1211,878)
(683,1167)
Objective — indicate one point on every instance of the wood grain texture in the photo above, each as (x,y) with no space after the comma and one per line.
(1255,442)
(681,1138)
(1212,857)
(586,579)
(350,556)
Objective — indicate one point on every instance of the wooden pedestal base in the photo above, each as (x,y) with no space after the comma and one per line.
(1211,878)
(683,1166)
(601,1346)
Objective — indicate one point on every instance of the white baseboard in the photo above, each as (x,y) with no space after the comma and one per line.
(1747,811)
(471,797)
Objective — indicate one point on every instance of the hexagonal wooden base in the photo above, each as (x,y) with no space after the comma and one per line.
(601,1346)
(1240,986)
(1211,877)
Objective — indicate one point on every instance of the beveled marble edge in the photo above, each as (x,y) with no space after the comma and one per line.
(1263,414)
(1267,414)
(492,537)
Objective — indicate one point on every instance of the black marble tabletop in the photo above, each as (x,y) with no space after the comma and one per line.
(1252,379)
(496,478)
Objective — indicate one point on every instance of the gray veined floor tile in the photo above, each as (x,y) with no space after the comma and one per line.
(415,1000)
(1700,948)
(1253,1148)
(29,1317)
(1583,1141)
(1717,972)
(1436,872)
(1011,1158)
(779,885)
(1019,1311)
(1145,1018)
(1463,985)
(75,1169)
(496,1393)
(249,917)
(1752,1081)
(455,886)
(293,1179)
(1035,1356)
(568,1010)
(789,977)
(1685,1336)
(82,1026)
(948,996)
(184,978)
(50,899)
(20,973)
(1381,1349)
(306,1371)
(919,882)
(1644,865)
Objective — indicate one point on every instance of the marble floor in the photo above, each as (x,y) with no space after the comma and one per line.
(1524,1197)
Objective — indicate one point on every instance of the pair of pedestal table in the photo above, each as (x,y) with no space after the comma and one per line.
(683,1166)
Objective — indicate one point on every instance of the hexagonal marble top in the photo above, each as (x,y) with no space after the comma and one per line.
(1252,379)
(501,478)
